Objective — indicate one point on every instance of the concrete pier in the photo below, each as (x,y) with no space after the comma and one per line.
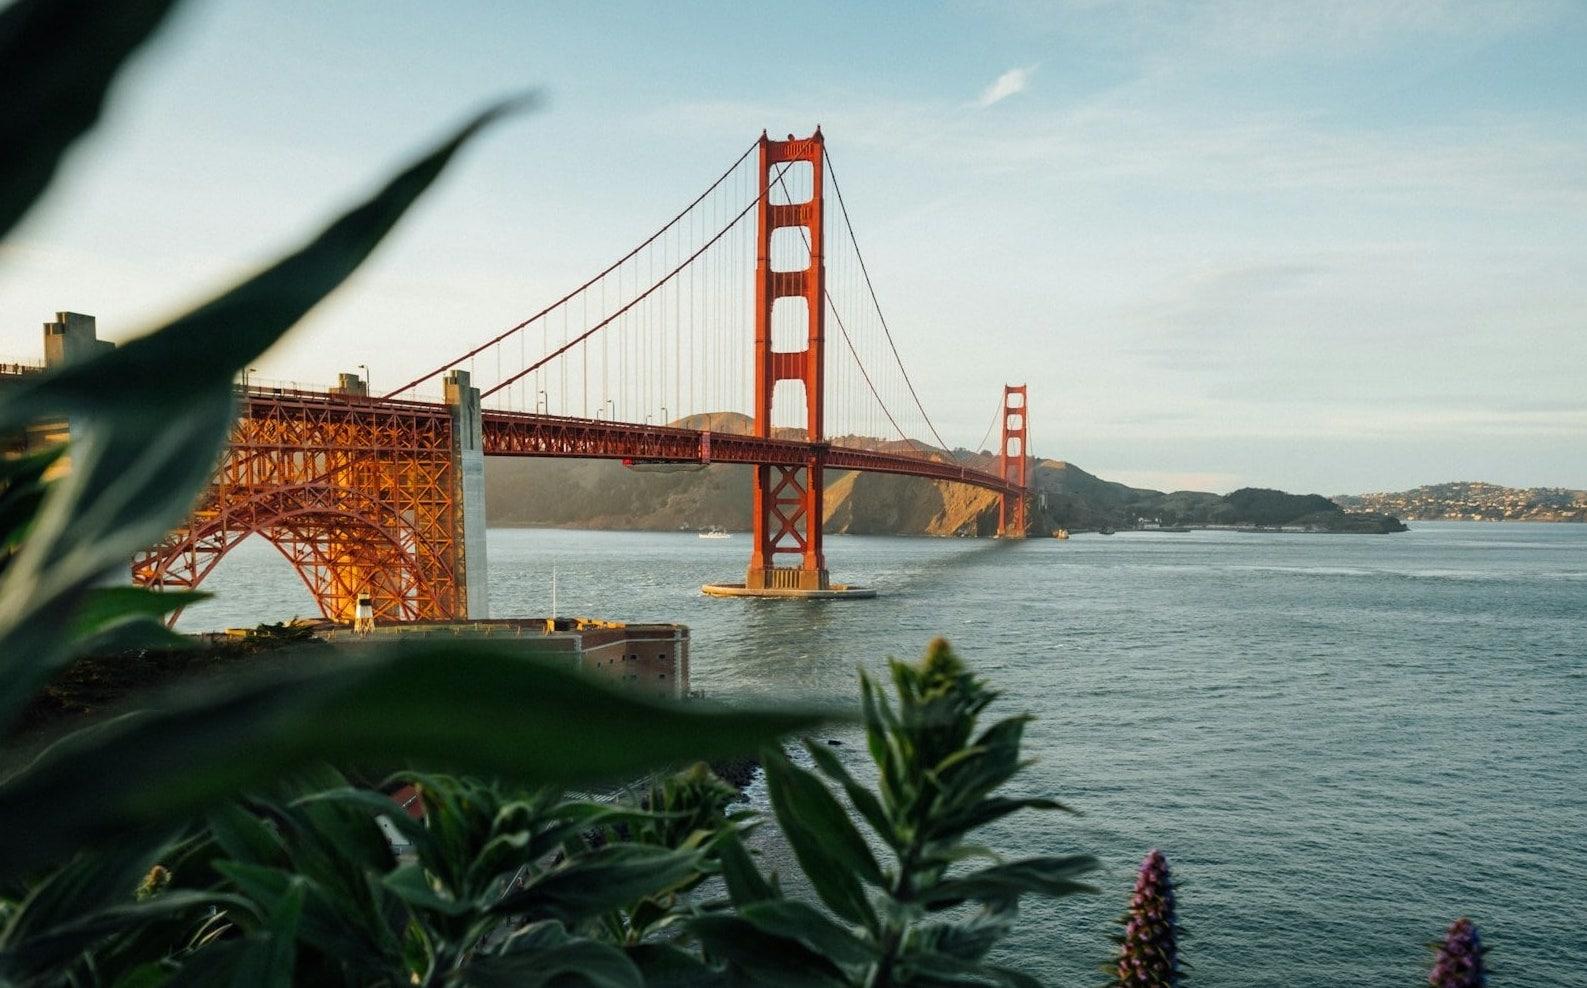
(468,497)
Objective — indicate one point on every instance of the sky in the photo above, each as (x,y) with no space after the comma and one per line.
(1329,248)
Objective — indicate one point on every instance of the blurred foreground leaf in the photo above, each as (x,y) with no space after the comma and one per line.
(149,420)
(454,705)
(57,60)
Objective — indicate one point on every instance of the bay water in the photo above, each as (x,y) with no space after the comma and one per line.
(1340,742)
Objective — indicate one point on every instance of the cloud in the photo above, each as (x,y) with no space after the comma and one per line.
(1008,84)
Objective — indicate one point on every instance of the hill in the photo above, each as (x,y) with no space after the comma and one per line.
(607,495)
(1475,501)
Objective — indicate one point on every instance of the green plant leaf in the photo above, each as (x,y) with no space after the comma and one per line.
(605,879)
(146,449)
(1049,876)
(936,970)
(863,799)
(47,950)
(377,805)
(264,957)
(665,966)
(412,886)
(210,345)
(994,759)
(544,956)
(831,852)
(269,960)
(811,927)
(22,490)
(246,838)
(57,61)
(745,884)
(766,959)
(88,882)
(103,608)
(529,721)
(986,811)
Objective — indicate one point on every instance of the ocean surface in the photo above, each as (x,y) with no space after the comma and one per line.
(1341,742)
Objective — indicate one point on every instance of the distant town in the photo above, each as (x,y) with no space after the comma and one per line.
(1474,501)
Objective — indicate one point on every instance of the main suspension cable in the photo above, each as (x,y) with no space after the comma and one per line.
(570,344)
(805,236)
(877,302)
(609,269)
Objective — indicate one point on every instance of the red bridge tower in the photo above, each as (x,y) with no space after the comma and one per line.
(788,508)
(1013,462)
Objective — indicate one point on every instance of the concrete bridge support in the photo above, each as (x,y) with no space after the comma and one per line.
(468,497)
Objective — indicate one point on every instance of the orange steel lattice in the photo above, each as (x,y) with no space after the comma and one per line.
(359,495)
(787,512)
(1013,460)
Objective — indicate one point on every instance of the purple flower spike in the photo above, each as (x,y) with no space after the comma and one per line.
(1459,962)
(1149,949)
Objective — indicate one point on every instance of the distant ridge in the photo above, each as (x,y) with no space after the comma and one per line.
(1474,500)
(603,494)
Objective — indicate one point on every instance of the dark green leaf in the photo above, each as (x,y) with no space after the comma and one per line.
(811,927)
(48,949)
(610,877)
(104,607)
(831,852)
(269,961)
(330,924)
(774,961)
(990,762)
(22,489)
(411,885)
(863,799)
(936,970)
(57,60)
(208,346)
(244,837)
(1049,876)
(553,959)
(665,966)
(745,885)
(576,964)
(988,810)
(146,449)
(528,721)
(89,882)
(376,805)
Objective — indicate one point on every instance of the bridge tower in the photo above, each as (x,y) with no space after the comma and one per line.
(1013,462)
(788,510)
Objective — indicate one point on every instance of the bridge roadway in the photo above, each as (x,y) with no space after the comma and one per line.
(534,434)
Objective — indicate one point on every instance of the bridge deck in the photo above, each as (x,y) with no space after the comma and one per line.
(531,434)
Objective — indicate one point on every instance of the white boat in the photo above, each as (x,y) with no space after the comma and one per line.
(715,533)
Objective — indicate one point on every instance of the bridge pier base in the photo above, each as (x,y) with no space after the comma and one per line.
(468,498)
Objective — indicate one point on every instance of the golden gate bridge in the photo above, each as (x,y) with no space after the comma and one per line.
(729,307)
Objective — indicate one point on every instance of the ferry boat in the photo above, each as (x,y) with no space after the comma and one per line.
(715,532)
(1061,534)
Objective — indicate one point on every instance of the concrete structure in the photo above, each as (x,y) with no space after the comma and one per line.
(72,337)
(832,591)
(468,500)
(351,384)
(652,658)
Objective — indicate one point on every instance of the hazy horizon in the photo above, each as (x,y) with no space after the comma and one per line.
(1228,244)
